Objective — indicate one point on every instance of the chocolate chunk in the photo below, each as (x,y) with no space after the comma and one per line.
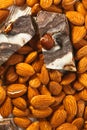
(61,55)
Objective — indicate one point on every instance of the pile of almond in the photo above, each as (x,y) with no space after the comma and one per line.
(28,90)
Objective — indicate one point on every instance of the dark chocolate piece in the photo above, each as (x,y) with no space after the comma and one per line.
(61,55)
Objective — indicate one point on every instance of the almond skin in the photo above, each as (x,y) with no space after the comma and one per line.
(42,101)
(6,108)
(20,103)
(16,90)
(24,69)
(75,17)
(58,118)
(2,94)
(22,122)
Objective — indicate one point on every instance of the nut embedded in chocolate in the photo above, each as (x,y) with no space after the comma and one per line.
(47,41)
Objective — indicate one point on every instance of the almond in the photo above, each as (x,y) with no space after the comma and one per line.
(86,21)
(34,126)
(68,89)
(46,124)
(84,3)
(31,57)
(58,117)
(20,2)
(19,113)
(54,8)
(68,78)
(83,94)
(44,90)
(67,4)
(3,14)
(78,32)
(81,52)
(32,92)
(24,69)
(80,44)
(56,2)
(83,79)
(23,80)
(85,113)
(20,103)
(6,3)
(78,86)
(35,9)
(42,101)
(80,8)
(67,126)
(16,90)
(70,106)
(34,82)
(6,108)
(55,88)
(75,17)
(44,76)
(31,2)
(22,122)
(45,3)
(2,94)
(78,122)
(41,113)
(15,59)
(82,65)
(55,75)
(80,108)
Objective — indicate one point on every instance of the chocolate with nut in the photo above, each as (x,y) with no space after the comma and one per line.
(60,56)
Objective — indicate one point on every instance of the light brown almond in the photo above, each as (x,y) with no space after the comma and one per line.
(22,122)
(83,94)
(44,90)
(78,86)
(34,126)
(20,113)
(16,90)
(42,101)
(45,4)
(20,103)
(31,2)
(24,69)
(80,108)
(2,94)
(6,108)
(6,3)
(41,113)
(68,89)
(31,57)
(83,79)
(58,117)
(67,126)
(46,124)
(34,82)
(78,122)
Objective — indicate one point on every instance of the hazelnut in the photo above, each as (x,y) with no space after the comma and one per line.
(47,41)
(20,2)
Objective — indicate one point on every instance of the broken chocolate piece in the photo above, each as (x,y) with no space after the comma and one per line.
(61,55)
(22,31)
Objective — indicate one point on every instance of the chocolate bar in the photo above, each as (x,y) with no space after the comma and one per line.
(60,56)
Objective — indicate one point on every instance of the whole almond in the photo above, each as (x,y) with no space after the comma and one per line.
(56,9)
(31,57)
(46,124)
(68,78)
(20,113)
(20,103)
(34,82)
(58,117)
(44,90)
(78,86)
(75,17)
(78,32)
(31,2)
(45,4)
(41,113)
(6,3)
(78,122)
(32,92)
(70,106)
(15,59)
(44,76)
(24,69)
(68,89)
(16,90)
(55,88)
(23,80)
(80,8)
(81,52)
(82,65)
(83,79)
(6,108)
(42,101)
(67,126)
(34,126)
(80,108)
(83,94)
(68,4)
(35,9)
(22,122)
(2,94)
(3,14)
